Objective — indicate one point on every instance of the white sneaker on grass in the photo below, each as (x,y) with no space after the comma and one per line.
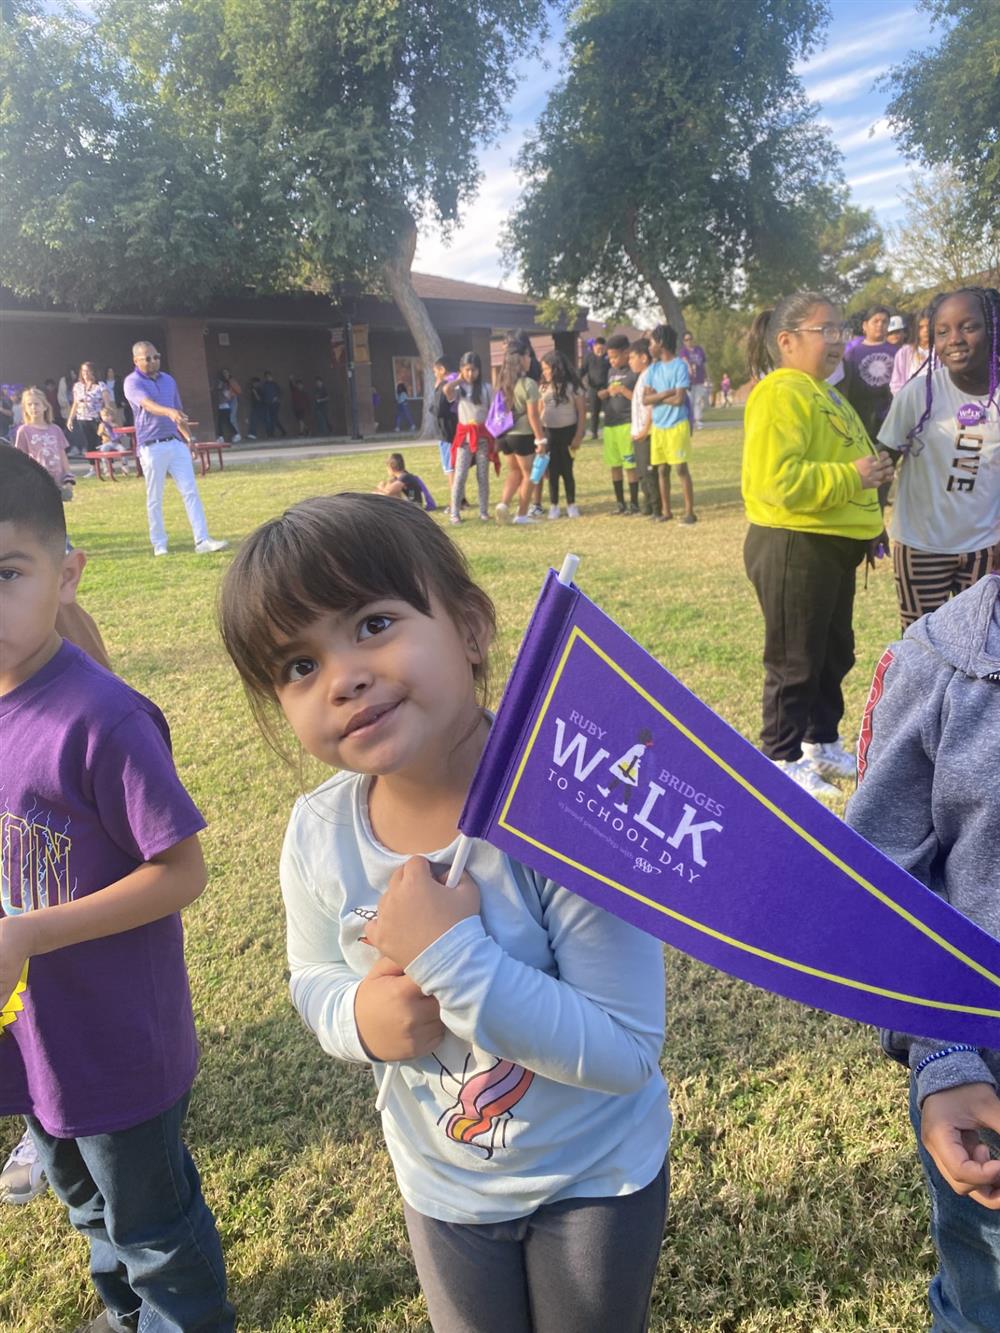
(23,1178)
(502,513)
(525,519)
(573,511)
(830,759)
(807,777)
(159,550)
(209,545)
(554,511)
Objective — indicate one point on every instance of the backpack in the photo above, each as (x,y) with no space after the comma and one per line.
(498,419)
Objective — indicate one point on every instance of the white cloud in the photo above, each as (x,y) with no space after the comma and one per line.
(881,35)
(843,87)
(882,175)
(472,253)
(867,135)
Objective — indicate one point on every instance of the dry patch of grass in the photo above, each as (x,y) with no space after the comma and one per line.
(796,1198)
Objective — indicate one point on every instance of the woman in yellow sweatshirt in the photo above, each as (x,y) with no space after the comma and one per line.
(810,487)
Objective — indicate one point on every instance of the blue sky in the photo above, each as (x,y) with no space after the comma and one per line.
(865,38)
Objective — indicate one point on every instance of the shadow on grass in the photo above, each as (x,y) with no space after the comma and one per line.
(318,1290)
(268,1085)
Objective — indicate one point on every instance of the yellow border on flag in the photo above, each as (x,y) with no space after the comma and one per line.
(577,635)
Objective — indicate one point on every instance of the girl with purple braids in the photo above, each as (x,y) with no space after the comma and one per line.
(945,426)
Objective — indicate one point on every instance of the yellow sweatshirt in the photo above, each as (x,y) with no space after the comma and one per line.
(801,438)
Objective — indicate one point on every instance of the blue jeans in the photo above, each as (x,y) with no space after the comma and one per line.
(155,1255)
(403,419)
(964,1295)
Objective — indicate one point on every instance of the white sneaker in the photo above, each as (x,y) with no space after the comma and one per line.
(536,511)
(159,550)
(23,1178)
(454,518)
(502,513)
(830,759)
(220,439)
(554,511)
(237,439)
(209,545)
(525,519)
(802,772)
(573,511)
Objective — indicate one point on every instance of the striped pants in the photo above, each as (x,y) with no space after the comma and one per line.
(925,579)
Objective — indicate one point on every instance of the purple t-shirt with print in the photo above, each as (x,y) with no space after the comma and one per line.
(696,363)
(88,791)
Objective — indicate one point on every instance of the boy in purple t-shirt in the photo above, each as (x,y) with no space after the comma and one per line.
(99,855)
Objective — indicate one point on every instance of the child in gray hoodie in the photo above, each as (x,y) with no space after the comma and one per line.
(929,797)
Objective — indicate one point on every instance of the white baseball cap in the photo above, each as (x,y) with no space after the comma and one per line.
(896,324)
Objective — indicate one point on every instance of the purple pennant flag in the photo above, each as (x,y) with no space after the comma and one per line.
(604,773)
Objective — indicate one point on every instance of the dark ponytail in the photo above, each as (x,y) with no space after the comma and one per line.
(763,353)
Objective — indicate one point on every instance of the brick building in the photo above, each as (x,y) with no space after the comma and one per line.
(300,334)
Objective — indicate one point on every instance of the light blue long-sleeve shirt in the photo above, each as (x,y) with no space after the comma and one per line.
(547,1085)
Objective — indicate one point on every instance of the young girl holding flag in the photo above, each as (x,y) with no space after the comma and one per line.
(529,1122)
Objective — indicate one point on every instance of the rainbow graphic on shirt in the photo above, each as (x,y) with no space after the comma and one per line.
(485,1103)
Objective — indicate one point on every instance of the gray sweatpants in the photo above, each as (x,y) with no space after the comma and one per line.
(463,461)
(579,1266)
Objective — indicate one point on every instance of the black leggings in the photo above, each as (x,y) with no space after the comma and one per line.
(89,428)
(576,1266)
(561,462)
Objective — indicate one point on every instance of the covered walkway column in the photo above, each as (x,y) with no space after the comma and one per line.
(185,359)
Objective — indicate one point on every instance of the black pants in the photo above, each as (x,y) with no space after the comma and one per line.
(91,437)
(596,405)
(561,463)
(223,422)
(649,482)
(805,586)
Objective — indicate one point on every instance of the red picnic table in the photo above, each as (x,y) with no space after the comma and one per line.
(110,456)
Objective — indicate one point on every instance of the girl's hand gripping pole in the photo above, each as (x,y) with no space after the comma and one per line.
(454,875)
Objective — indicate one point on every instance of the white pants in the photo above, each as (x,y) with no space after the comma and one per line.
(699,396)
(171,458)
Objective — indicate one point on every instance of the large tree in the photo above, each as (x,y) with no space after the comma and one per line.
(679,154)
(100,197)
(361,117)
(943,239)
(946,109)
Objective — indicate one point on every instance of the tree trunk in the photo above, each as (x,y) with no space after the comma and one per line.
(396,272)
(662,288)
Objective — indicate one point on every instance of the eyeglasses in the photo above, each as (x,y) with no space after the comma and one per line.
(832,333)
(152,356)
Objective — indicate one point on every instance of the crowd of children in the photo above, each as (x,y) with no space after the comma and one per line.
(356,622)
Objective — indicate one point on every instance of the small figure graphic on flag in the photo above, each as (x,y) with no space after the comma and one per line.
(626,771)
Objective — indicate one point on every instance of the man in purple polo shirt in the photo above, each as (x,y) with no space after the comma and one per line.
(162,439)
(697,364)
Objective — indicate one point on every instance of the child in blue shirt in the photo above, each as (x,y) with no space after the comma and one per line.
(667,382)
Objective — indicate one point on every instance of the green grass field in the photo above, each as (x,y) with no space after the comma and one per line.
(796,1198)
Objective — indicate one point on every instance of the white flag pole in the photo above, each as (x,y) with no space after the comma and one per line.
(566,575)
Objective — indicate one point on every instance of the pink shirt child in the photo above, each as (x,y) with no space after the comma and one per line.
(46,444)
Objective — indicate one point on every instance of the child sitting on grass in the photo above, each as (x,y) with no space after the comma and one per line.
(101,1058)
(404,485)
